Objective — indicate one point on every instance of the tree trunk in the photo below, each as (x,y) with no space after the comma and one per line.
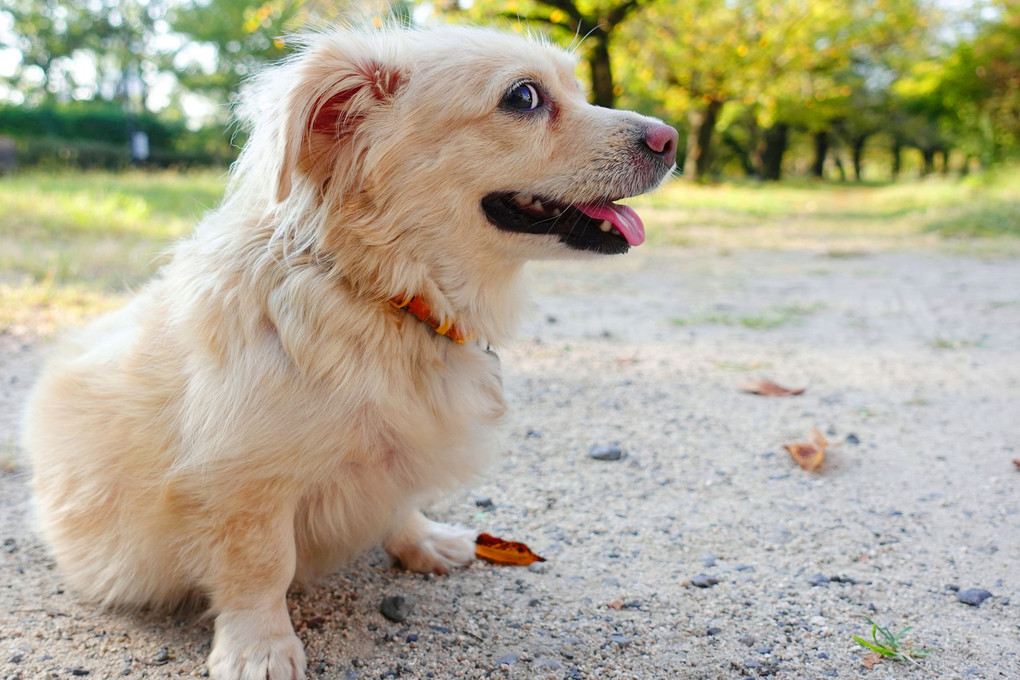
(603,93)
(821,151)
(858,155)
(772,154)
(897,159)
(742,153)
(929,161)
(699,141)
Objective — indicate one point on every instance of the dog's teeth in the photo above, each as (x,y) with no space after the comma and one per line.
(557,212)
(606,225)
(537,204)
(523,200)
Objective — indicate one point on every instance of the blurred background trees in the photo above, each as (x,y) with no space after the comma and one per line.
(841,89)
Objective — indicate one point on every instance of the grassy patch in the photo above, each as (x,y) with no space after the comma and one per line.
(98,230)
(842,220)
(884,643)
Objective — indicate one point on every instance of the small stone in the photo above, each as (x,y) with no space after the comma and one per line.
(351,675)
(484,502)
(508,659)
(320,668)
(16,657)
(440,629)
(747,640)
(162,656)
(395,608)
(538,567)
(852,439)
(708,559)
(714,630)
(78,671)
(545,662)
(606,453)
(973,596)
(412,637)
(819,580)
(703,581)
(619,639)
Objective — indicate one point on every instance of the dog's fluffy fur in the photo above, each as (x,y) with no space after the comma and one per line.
(259,412)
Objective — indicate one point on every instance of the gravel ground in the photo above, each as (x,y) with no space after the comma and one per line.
(703,552)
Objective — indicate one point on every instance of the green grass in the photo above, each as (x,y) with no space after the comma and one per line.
(72,242)
(98,229)
(842,220)
(890,646)
(767,319)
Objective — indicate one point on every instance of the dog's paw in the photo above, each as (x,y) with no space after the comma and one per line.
(253,646)
(431,547)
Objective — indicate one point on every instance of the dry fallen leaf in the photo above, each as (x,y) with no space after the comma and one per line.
(871,659)
(809,455)
(498,551)
(767,388)
(1016,461)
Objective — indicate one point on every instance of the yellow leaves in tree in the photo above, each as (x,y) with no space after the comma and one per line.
(497,551)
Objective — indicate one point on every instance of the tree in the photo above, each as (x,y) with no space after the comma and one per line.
(597,22)
(116,39)
(241,34)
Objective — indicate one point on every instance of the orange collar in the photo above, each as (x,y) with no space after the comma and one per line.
(417,306)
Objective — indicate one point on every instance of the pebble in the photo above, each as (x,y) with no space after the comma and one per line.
(395,608)
(484,502)
(162,656)
(545,662)
(538,567)
(973,596)
(79,671)
(819,580)
(747,640)
(852,439)
(619,639)
(714,630)
(703,581)
(607,453)
(16,657)
(708,559)
(412,637)
(507,659)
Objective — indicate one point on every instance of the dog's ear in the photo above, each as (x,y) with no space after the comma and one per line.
(331,99)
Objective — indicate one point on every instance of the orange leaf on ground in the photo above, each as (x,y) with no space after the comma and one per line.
(809,455)
(767,388)
(1016,461)
(871,659)
(498,551)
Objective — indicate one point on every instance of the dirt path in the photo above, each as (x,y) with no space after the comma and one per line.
(915,355)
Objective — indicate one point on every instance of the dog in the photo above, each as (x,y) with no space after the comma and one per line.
(312,366)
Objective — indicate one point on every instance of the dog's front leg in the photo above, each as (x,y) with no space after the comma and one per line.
(254,562)
(422,545)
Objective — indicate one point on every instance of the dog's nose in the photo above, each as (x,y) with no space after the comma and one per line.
(661,140)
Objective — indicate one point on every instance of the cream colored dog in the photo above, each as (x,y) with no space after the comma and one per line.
(311,368)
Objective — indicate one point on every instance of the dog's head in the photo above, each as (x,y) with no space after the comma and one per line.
(470,137)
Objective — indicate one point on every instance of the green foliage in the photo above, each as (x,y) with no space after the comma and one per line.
(890,646)
(90,135)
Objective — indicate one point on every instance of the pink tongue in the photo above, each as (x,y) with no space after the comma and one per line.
(620,216)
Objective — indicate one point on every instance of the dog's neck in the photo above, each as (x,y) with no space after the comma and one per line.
(418,307)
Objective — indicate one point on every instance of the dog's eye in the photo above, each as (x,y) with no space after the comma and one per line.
(523,97)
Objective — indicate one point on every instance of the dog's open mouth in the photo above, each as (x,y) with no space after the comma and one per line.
(603,227)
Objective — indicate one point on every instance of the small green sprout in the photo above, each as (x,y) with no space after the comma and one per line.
(891,646)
